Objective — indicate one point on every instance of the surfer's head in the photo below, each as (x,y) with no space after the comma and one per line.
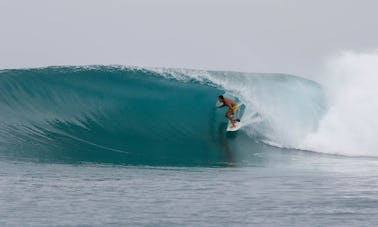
(221,98)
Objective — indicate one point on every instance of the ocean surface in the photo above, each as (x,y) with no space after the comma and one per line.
(117,145)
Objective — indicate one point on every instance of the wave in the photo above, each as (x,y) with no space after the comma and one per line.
(151,116)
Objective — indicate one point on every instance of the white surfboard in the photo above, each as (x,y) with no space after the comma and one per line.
(238,125)
(238,115)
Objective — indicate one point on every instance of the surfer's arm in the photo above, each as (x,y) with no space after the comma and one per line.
(221,106)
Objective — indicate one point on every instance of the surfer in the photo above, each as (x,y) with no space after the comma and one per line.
(232,108)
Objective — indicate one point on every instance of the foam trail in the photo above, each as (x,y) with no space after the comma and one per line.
(350,126)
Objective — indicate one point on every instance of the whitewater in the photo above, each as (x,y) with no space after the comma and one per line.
(350,125)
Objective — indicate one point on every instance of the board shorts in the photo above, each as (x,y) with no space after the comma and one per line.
(233,109)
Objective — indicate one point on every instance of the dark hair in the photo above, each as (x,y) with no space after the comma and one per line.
(221,96)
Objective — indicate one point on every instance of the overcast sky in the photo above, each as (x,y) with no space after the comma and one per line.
(288,36)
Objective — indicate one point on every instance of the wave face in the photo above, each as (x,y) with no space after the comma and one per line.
(137,116)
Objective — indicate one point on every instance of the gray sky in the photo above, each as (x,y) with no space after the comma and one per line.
(288,36)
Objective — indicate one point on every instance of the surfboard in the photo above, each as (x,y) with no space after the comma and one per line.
(238,125)
(238,115)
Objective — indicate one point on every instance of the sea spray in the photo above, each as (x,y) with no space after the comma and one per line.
(350,126)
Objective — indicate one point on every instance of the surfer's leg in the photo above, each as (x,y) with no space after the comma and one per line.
(230,116)
(233,121)
(233,111)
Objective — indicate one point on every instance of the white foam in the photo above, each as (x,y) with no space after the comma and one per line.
(350,126)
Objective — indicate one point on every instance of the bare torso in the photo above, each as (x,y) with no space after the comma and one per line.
(229,103)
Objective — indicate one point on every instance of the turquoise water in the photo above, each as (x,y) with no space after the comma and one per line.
(104,145)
